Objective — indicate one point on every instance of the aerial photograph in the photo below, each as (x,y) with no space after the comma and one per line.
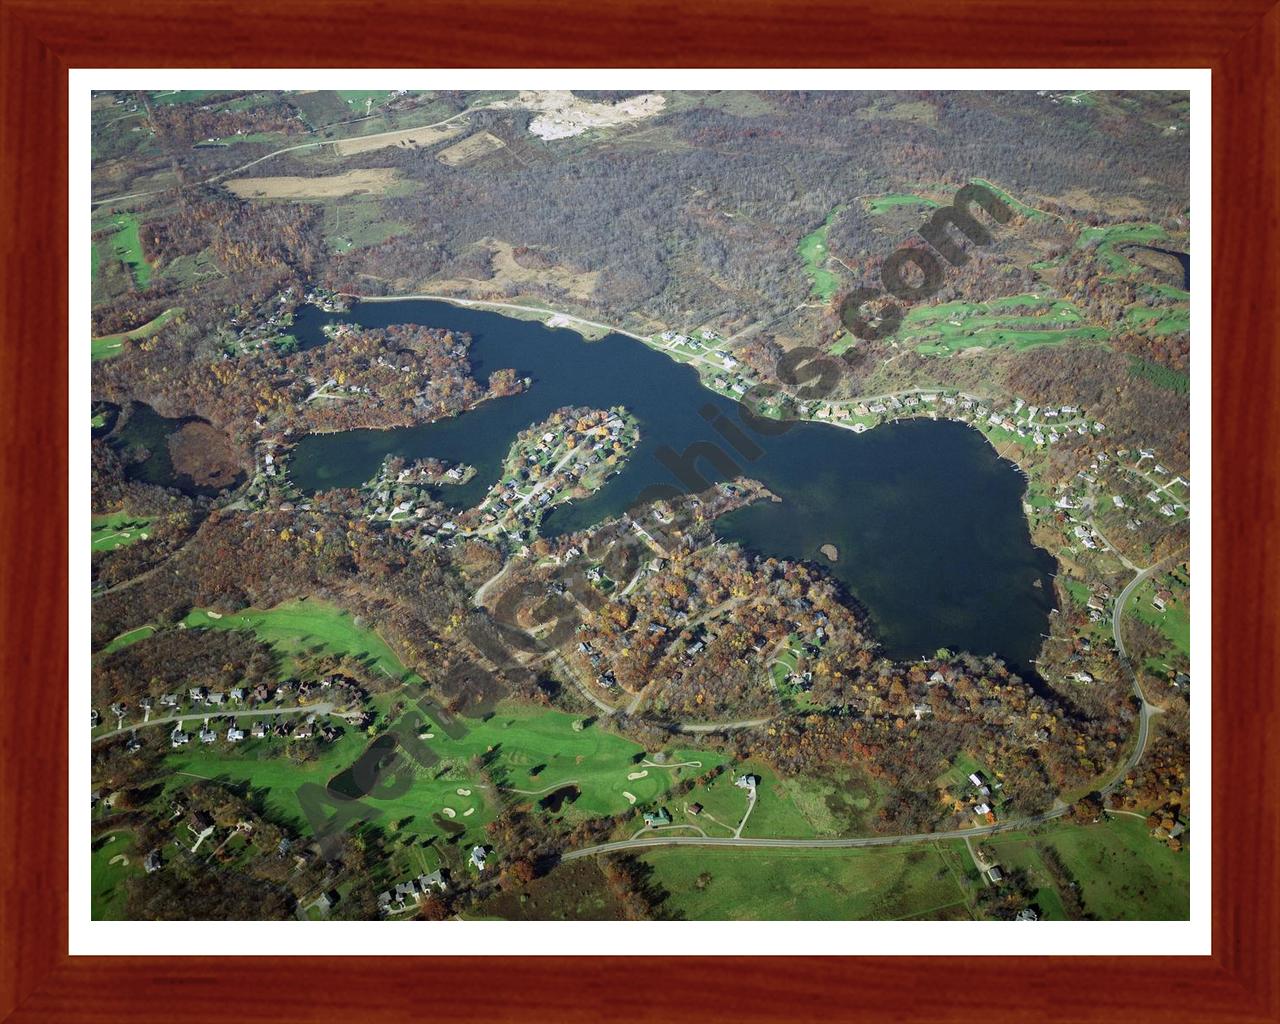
(626,505)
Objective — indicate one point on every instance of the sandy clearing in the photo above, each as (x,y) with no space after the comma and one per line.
(562,115)
(632,776)
(631,797)
(470,149)
(508,272)
(410,138)
(366,179)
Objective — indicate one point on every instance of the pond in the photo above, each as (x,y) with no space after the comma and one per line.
(925,520)
(145,431)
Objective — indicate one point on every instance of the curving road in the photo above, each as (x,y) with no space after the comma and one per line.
(1146,710)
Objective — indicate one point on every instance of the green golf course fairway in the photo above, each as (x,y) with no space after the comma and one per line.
(296,626)
(513,744)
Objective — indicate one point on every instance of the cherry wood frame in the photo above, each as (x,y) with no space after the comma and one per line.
(41,39)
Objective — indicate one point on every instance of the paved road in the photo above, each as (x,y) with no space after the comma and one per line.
(746,723)
(483,303)
(1146,710)
(858,841)
(319,709)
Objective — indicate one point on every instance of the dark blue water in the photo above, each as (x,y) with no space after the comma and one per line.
(926,519)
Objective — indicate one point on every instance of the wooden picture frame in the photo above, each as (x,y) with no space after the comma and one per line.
(40,40)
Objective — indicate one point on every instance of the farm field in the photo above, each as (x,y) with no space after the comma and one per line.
(368,179)
(410,138)
(718,884)
(470,149)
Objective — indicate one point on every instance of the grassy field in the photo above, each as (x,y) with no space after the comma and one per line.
(104,348)
(1079,592)
(882,204)
(1017,204)
(1160,376)
(1174,622)
(312,626)
(789,808)
(710,884)
(131,637)
(361,100)
(359,222)
(1160,320)
(117,530)
(172,96)
(126,244)
(813,251)
(1123,873)
(1108,237)
(106,880)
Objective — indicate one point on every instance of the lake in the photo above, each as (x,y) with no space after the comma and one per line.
(926,521)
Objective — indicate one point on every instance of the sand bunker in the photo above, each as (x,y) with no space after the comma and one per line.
(468,812)
(448,812)
(120,858)
(631,797)
(632,776)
